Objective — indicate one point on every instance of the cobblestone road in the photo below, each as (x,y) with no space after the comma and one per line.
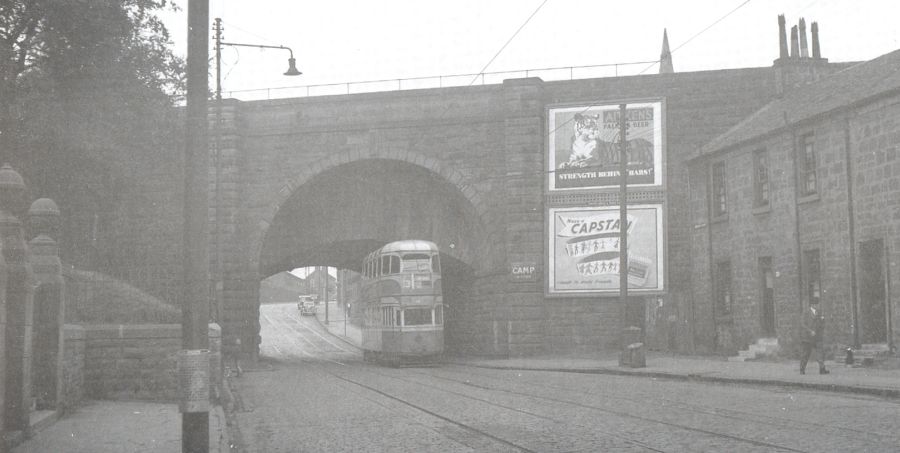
(320,396)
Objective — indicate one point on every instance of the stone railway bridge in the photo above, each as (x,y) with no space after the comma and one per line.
(324,180)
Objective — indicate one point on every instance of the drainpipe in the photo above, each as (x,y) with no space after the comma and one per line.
(709,251)
(797,245)
(854,286)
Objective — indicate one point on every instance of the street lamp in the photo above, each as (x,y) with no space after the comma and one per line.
(291,71)
(292,63)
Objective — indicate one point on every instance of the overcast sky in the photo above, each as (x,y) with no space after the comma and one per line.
(338,41)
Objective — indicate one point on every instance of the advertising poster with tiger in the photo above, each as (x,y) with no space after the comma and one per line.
(584,249)
(584,146)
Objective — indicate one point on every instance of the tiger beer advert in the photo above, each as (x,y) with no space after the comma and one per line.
(584,249)
(584,146)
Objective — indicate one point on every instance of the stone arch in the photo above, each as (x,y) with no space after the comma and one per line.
(471,194)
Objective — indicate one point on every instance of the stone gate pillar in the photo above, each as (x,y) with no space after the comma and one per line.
(49,304)
(19,301)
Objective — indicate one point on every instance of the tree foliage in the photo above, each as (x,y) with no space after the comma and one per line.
(83,75)
(87,106)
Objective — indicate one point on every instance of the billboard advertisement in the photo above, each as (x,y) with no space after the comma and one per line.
(584,146)
(584,249)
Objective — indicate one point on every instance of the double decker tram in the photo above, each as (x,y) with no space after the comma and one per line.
(403,315)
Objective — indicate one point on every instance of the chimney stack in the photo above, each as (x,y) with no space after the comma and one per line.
(782,38)
(798,68)
(795,45)
(804,49)
(816,52)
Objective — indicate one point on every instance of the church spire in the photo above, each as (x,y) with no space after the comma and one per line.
(665,58)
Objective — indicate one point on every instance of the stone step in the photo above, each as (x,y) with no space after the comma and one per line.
(763,346)
(870,354)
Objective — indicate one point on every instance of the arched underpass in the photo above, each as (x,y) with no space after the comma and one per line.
(343,213)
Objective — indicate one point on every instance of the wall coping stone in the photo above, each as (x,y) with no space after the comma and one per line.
(100,331)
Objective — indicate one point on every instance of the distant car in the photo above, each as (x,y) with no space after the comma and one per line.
(307,308)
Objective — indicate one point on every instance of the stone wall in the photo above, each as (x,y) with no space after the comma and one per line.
(875,171)
(73,365)
(138,362)
(131,361)
(868,186)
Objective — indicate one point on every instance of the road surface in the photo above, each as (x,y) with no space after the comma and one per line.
(313,393)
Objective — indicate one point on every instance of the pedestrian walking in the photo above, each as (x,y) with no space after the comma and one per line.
(812,327)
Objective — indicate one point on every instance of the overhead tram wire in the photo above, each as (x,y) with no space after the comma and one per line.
(421,135)
(592,103)
(418,138)
(508,41)
(597,102)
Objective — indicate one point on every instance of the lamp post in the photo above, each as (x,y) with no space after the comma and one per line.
(193,359)
(291,71)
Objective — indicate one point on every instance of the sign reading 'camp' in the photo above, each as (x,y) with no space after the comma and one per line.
(523,271)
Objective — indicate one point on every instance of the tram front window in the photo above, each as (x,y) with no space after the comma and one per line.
(416,262)
(417,316)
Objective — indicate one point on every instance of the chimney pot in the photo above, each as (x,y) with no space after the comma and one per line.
(816,51)
(795,45)
(804,49)
(782,38)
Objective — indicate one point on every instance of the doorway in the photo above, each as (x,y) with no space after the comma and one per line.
(872,292)
(767,299)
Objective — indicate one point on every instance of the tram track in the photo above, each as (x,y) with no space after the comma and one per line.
(468,431)
(287,331)
(636,442)
(740,416)
(467,427)
(561,412)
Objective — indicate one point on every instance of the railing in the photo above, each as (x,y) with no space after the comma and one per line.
(440,81)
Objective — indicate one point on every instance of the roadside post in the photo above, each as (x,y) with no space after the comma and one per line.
(193,359)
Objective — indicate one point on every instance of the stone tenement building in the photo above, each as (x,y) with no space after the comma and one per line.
(800,204)
(518,184)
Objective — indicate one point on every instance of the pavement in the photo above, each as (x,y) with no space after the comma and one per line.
(144,427)
(881,381)
(121,426)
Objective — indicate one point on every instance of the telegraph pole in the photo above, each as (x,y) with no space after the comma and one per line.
(193,360)
(325,289)
(219,277)
(623,209)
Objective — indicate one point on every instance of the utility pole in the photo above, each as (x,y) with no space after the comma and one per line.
(623,210)
(219,277)
(325,286)
(342,296)
(193,360)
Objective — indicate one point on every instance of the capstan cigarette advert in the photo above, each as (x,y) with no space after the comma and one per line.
(584,249)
